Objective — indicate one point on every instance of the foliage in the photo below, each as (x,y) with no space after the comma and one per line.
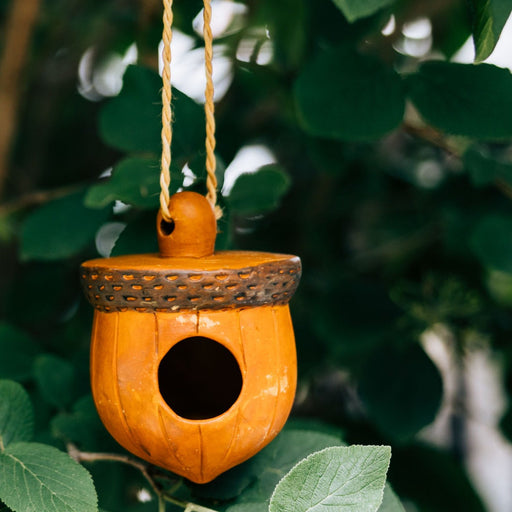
(489,18)
(36,476)
(331,106)
(320,481)
(392,181)
(448,96)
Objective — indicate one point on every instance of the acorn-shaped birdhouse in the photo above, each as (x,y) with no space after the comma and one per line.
(193,362)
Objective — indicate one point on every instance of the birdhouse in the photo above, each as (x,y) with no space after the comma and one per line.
(193,363)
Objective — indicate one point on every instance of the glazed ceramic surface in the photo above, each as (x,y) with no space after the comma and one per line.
(193,363)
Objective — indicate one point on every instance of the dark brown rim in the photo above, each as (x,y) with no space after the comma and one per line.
(175,290)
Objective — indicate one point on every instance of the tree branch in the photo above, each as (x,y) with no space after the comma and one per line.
(447,144)
(432,136)
(19,27)
(35,198)
(148,472)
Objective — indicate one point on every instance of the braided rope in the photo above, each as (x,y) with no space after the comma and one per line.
(165,169)
(209,109)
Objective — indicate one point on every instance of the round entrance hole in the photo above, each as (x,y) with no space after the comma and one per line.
(199,378)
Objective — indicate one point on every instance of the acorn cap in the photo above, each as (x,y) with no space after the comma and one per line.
(187,275)
(228,279)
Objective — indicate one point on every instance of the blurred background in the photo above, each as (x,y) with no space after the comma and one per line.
(358,136)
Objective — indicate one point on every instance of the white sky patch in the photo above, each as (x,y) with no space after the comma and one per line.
(120,207)
(189,176)
(417,38)
(227,18)
(107,236)
(144,496)
(85,69)
(187,67)
(106,79)
(420,28)
(249,45)
(106,173)
(248,160)
(266,54)
(429,173)
(390,26)
(489,455)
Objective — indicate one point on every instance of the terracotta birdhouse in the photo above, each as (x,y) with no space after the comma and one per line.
(193,362)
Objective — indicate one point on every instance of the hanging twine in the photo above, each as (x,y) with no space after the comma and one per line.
(209,109)
(165,169)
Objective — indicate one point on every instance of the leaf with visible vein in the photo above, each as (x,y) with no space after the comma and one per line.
(39,478)
(353,477)
(488,18)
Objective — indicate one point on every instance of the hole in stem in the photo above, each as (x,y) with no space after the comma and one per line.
(167,227)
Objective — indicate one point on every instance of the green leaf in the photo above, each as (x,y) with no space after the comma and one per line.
(224,238)
(491,242)
(484,169)
(488,19)
(265,469)
(18,353)
(41,278)
(117,486)
(138,237)
(464,99)
(132,120)
(285,451)
(315,425)
(39,478)
(390,502)
(289,34)
(82,426)
(258,192)
(449,42)
(249,507)
(335,478)
(55,378)
(16,414)
(134,181)
(197,165)
(343,95)
(355,9)
(499,285)
(357,317)
(60,229)
(402,390)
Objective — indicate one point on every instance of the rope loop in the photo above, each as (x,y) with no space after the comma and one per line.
(209,109)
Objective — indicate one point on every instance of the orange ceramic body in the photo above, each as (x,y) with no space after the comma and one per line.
(193,363)
(126,352)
